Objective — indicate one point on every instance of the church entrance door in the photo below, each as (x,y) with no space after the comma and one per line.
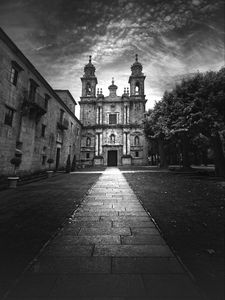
(112,158)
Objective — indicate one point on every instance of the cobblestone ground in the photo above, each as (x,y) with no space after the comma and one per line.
(110,249)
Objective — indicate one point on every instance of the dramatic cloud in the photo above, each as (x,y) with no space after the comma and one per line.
(172,38)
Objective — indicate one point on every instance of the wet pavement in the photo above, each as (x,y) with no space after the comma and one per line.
(110,249)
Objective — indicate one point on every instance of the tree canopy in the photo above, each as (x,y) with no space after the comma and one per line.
(193,113)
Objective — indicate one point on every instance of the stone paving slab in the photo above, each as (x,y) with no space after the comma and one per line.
(87,240)
(133,213)
(131,218)
(110,249)
(97,213)
(133,223)
(142,239)
(87,223)
(68,250)
(71,265)
(132,250)
(104,231)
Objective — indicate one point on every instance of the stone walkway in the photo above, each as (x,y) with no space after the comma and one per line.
(110,249)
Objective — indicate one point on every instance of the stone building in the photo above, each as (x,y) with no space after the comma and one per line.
(36,122)
(112,131)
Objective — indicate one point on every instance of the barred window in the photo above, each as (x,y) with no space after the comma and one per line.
(112,119)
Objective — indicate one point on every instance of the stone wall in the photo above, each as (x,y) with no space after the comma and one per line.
(26,131)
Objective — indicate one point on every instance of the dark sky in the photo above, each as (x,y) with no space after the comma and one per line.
(172,39)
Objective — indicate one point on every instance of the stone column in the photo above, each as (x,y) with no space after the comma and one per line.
(100,115)
(96,144)
(128,143)
(100,143)
(124,114)
(124,143)
(97,112)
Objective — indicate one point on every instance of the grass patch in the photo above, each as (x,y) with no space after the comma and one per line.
(189,210)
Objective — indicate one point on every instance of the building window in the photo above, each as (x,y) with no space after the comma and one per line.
(9,116)
(43,127)
(87,155)
(88,142)
(112,138)
(32,91)
(15,69)
(14,75)
(137,88)
(88,89)
(47,97)
(136,154)
(112,119)
(136,141)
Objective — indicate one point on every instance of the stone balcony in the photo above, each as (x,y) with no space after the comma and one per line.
(35,107)
(63,124)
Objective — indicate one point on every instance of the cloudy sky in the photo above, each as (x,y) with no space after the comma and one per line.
(172,38)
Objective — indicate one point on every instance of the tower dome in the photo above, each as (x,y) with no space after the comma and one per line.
(112,88)
(136,68)
(89,69)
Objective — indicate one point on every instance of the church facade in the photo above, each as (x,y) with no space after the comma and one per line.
(112,132)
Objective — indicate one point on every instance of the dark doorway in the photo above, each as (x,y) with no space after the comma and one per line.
(57,158)
(112,158)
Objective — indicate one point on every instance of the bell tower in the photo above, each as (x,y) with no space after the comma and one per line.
(89,81)
(137,79)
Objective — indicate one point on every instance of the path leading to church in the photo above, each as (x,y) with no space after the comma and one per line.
(110,249)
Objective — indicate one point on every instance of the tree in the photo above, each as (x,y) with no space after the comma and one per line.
(207,113)
(195,107)
(156,130)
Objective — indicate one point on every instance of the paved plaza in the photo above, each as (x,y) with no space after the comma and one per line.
(109,249)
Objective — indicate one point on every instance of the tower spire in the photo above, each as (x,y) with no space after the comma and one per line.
(112,80)
(137,78)
(89,58)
